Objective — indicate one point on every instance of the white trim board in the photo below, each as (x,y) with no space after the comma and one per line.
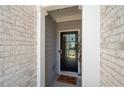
(91,46)
(55,7)
(40,47)
(58,48)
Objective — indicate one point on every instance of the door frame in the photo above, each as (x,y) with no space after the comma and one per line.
(58,54)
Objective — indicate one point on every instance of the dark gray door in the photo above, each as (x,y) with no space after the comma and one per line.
(69,51)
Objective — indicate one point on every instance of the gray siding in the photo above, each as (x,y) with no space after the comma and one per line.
(50,49)
(69,25)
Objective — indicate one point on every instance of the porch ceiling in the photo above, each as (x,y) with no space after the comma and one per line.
(64,13)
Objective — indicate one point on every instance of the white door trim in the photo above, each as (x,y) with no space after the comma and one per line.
(58,54)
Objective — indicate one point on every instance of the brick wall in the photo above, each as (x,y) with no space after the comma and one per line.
(17,46)
(112,45)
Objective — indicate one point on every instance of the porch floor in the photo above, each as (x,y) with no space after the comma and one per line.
(56,83)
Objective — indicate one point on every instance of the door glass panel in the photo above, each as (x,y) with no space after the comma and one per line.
(71,54)
(66,37)
(71,45)
(67,46)
(72,37)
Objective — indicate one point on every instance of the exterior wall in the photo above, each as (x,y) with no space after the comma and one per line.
(112,45)
(18,46)
(50,49)
(69,25)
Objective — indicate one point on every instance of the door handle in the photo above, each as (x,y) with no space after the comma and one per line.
(60,51)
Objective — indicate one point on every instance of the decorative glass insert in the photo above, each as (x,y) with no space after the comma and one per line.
(72,37)
(71,54)
(70,45)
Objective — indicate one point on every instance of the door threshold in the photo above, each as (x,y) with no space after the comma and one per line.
(68,73)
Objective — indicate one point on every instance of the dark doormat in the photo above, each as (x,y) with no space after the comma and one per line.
(67,79)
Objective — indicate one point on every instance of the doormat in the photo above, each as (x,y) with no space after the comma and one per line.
(67,79)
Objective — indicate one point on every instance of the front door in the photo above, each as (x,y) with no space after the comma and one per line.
(69,51)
